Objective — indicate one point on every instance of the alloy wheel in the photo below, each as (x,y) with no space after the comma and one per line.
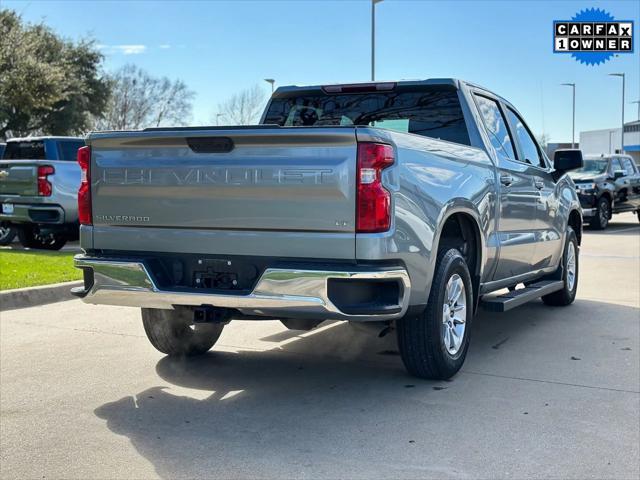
(571,266)
(454,314)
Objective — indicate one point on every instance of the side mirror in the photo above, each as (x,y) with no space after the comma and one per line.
(618,174)
(565,160)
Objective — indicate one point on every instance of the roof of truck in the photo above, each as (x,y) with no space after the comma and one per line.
(431,81)
(453,82)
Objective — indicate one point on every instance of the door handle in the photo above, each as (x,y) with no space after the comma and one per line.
(506,179)
(539,184)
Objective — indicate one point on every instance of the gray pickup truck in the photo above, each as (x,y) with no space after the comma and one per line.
(39,180)
(409,204)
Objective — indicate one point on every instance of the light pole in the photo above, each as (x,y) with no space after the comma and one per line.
(373,38)
(637,102)
(272,82)
(622,132)
(218,115)
(573,128)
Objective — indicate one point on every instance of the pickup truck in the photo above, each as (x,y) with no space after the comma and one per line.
(39,180)
(408,204)
(607,184)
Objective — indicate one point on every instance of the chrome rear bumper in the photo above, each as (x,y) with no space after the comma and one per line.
(287,293)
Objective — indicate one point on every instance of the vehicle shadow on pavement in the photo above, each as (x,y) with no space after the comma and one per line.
(618,227)
(337,401)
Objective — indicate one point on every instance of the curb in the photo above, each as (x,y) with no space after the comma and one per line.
(33,296)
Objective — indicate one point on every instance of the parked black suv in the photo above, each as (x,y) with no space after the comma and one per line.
(607,184)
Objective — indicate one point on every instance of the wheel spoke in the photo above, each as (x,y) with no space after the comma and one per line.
(447,334)
(454,339)
(456,291)
(449,291)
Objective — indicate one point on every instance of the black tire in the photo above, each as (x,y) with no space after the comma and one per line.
(173,332)
(638,214)
(420,337)
(7,233)
(31,237)
(603,213)
(567,295)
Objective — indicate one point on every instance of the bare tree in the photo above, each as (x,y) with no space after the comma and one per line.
(139,100)
(245,107)
(543,140)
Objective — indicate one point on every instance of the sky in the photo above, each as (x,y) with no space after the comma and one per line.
(221,47)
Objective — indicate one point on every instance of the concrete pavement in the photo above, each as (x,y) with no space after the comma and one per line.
(545,392)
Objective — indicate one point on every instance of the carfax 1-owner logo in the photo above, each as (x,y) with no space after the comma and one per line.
(593,36)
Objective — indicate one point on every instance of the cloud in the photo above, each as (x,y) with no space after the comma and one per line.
(165,46)
(132,49)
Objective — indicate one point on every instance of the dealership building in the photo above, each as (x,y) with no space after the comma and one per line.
(598,142)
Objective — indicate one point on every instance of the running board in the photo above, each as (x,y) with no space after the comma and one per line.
(508,301)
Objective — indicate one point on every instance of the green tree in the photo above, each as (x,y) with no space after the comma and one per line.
(48,84)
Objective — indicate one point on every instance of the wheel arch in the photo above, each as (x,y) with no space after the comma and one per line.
(464,223)
(575,222)
(608,194)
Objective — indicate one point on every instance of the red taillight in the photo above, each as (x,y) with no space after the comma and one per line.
(373,210)
(84,192)
(44,185)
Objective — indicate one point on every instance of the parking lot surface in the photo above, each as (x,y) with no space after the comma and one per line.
(545,392)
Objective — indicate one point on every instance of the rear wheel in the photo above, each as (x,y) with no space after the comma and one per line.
(603,214)
(434,344)
(31,236)
(174,333)
(7,233)
(567,272)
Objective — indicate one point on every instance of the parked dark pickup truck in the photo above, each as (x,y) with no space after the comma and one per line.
(403,203)
(607,184)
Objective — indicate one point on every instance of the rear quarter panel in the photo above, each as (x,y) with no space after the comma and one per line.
(431,180)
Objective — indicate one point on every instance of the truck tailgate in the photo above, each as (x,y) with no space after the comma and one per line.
(267,179)
(18,177)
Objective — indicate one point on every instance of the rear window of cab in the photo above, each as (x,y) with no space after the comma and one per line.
(431,112)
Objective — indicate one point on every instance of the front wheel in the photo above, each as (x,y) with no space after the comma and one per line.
(434,343)
(174,333)
(31,236)
(567,272)
(603,213)
(7,233)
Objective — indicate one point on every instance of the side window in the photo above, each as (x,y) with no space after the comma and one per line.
(527,143)
(628,166)
(68,150)
(496,126)
(615,165)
